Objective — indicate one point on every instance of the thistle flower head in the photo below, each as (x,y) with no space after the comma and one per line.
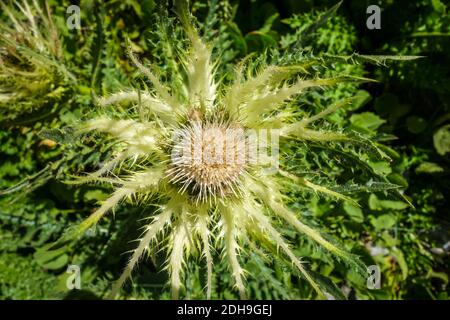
(192,148)
(209,160)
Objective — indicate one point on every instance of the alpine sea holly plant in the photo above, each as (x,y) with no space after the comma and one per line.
(164,144)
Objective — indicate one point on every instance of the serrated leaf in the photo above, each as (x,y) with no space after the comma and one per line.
(308,32)
(328,286)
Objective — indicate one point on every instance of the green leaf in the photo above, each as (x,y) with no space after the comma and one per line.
(401,262)
(95,195)
(429,167)
(136,7)
(416,124)
(385,221)
(51,259)
(63,136)
(258,41)
(389,240)
(379,60)
(327,285)
(383,59)
(398,179)
(268,23)
(58,263)
(441,140)
(389,151)
(321,21)
(371,186)
(356,278)
(438,275)
(361,98)
(367,120)
(378,205)
(438,6)
(380,167)
(264,37)
(355,213)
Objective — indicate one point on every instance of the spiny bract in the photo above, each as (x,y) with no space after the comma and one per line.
(32,74)
(207,204)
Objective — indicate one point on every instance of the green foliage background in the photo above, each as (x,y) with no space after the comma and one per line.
(407,109)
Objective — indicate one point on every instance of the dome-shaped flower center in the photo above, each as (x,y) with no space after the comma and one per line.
(208,159)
